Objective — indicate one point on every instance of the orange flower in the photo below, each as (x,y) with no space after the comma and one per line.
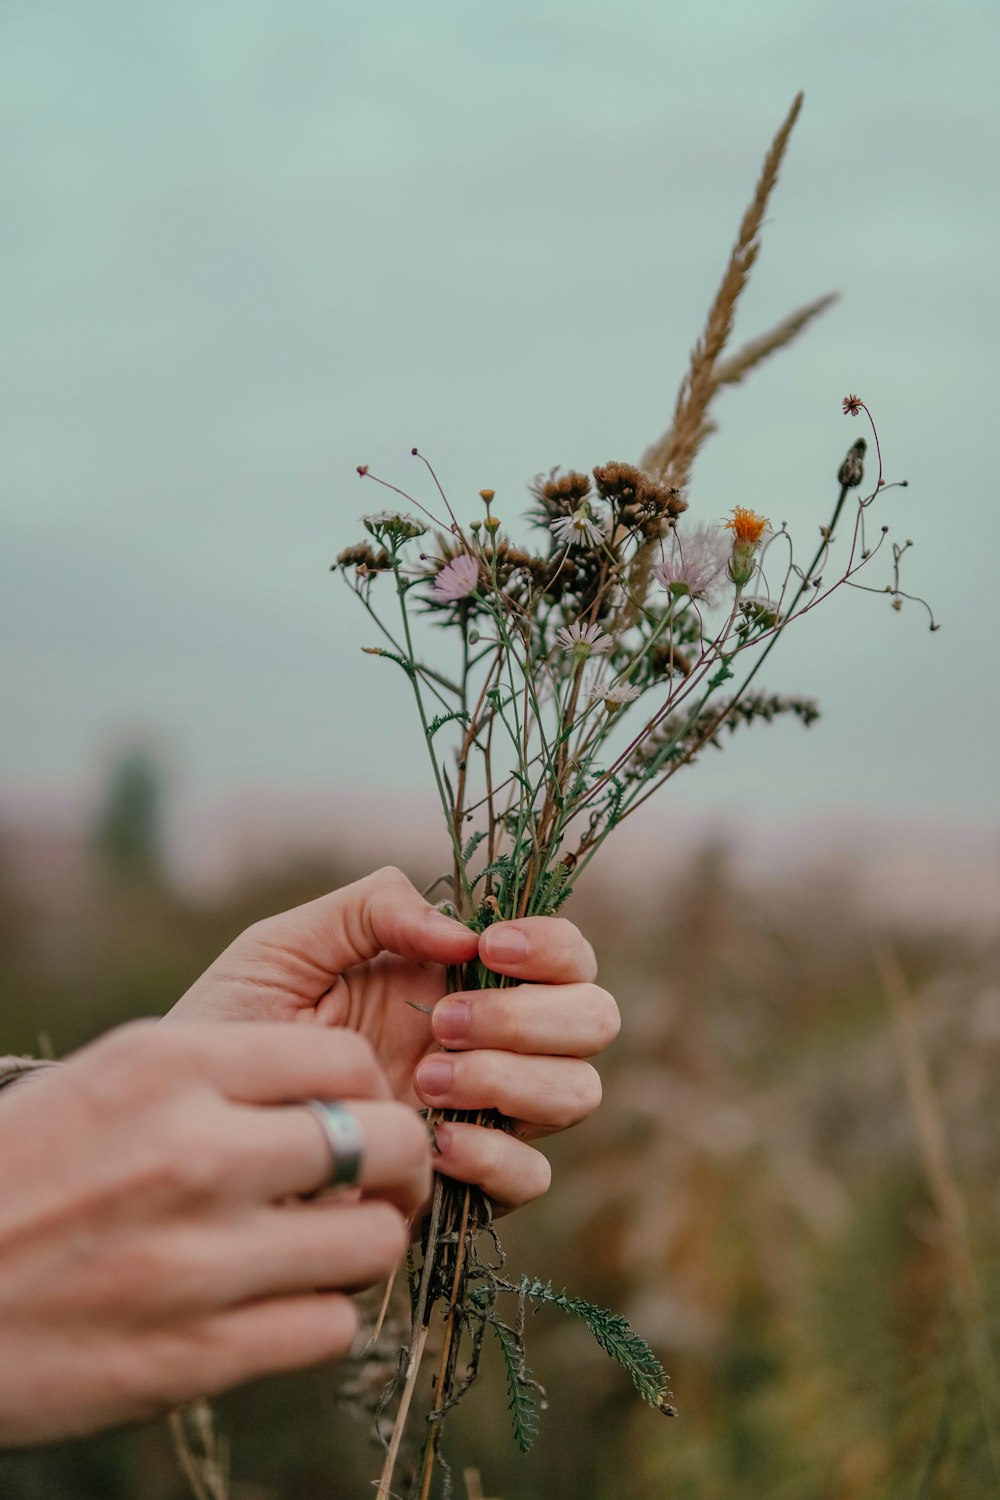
(747,526)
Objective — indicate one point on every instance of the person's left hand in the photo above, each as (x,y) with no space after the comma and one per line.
(371,956)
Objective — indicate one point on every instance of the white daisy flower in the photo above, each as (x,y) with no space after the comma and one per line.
(579,529)
(584,640)
(614,695)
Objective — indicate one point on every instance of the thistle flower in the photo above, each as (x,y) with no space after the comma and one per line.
(457,579)
(578,529)
(614,695)
(696,563)
(747,528)
(583,640)
(393,526)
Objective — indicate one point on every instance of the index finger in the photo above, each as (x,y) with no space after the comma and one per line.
(549,950)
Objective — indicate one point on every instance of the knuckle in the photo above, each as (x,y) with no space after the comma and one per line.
(513,1025)
(538,1178)
(359,1052)
(126,1045)
(389,875)
(411,1142)
(387,1235)
(181,1162)
(129,1066)
(262,934)
(589,1092)
(349,1053)
(609,1021)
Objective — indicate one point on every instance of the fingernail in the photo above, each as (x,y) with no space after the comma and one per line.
(442,1138)
(506,943)
(434,1076)
(451,1020)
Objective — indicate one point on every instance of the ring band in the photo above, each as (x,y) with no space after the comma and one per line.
(343,1136)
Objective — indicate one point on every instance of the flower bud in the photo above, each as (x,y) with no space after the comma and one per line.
(742,563)
(851,471)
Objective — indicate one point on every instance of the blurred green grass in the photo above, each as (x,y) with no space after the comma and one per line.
(751,1195)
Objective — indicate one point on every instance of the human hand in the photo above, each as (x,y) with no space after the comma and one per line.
(153,1246)
(368,955)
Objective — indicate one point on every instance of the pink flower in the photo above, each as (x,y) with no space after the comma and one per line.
(457,579)
(696,563)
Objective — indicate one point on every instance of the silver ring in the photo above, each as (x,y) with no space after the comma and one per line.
(343,1136)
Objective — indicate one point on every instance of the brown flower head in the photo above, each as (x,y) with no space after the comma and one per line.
(852,405)
(640,502)
(364,557)
(560,494)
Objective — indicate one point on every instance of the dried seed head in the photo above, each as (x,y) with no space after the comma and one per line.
(560,494)
(640,502)
(621,483)
(364,556)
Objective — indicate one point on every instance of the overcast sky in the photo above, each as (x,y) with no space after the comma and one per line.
(249,244)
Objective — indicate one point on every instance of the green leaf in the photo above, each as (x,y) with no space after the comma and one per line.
(500,866)
(552,890)
(472,845)
(442,719)
(401,661)
(616,1337)
(521,1388)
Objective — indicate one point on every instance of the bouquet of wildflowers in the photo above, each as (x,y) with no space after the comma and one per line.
(559,683)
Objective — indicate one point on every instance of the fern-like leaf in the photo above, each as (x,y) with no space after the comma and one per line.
(472,845)
(521,1388)
(459,716)
(401,661)
(616,1337)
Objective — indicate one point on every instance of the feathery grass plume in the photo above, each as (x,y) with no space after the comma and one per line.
(735,369)
(671,459)
(699,385)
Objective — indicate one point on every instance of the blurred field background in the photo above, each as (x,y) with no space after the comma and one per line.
(249,245)
(752,1194)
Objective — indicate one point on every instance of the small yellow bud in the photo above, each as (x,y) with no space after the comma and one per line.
(486,495)
(492,523)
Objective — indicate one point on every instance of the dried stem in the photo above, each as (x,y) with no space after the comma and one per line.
(945,1193)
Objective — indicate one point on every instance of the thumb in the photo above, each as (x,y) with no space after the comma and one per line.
(381,913)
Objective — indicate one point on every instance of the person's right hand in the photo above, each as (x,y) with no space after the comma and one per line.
(153,1246)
